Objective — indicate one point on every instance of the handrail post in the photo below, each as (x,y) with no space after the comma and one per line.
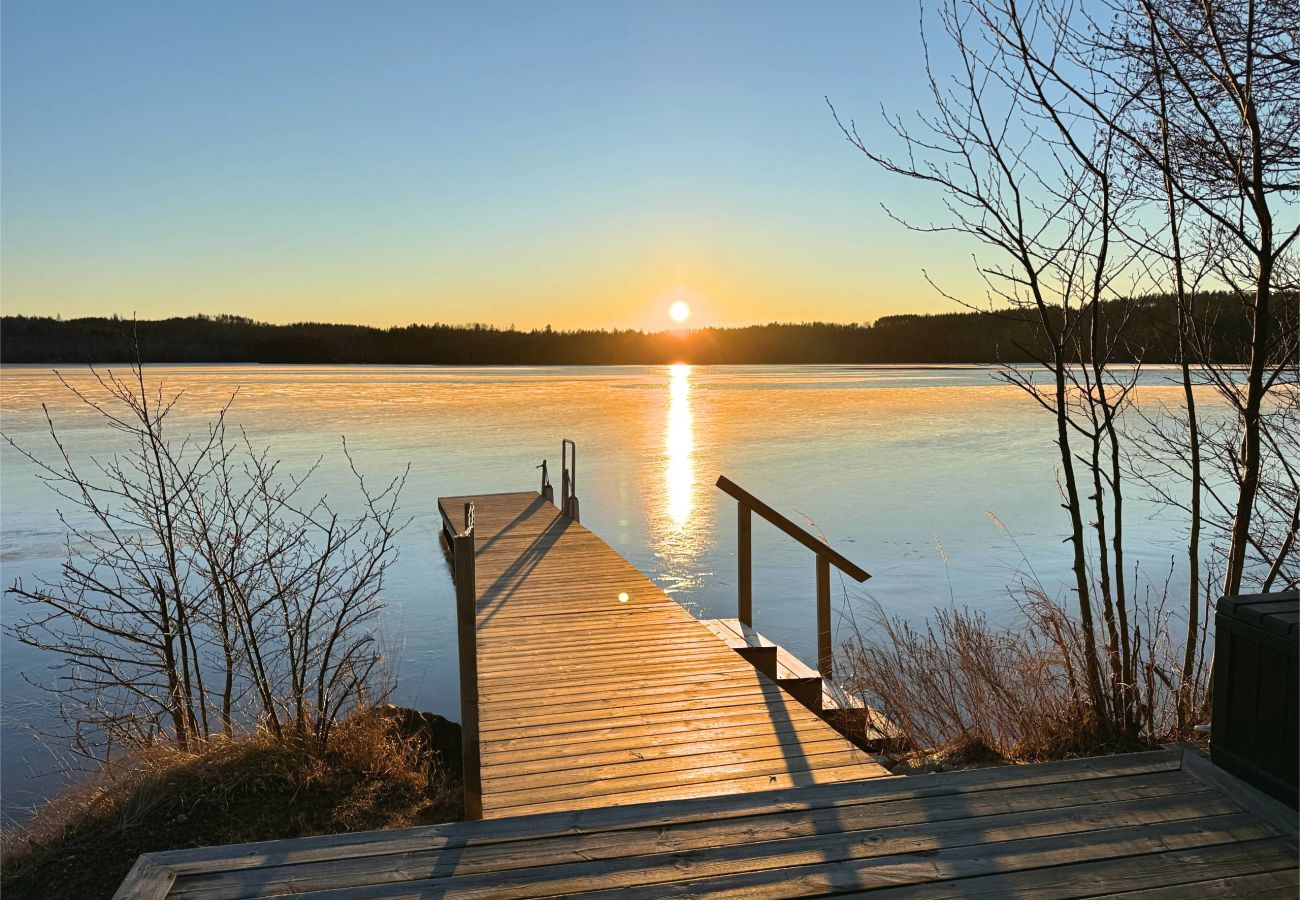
(824,653)
(467,644)
(744,564)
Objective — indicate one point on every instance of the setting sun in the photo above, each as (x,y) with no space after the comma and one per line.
(679,311)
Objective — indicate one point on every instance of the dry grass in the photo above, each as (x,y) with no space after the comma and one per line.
(1015,693)
(375,774)
(966,753)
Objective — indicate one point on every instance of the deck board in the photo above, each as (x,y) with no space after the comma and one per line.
(563,664)
(1140,825)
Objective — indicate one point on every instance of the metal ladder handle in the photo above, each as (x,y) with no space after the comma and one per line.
(569,482)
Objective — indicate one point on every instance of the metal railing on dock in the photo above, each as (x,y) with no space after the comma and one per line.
(746,505)
(569,479)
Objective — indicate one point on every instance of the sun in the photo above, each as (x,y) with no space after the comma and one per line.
(679,311)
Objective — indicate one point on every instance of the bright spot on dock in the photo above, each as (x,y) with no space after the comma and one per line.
(622,597)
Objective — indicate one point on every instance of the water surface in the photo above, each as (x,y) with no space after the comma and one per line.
(919,475)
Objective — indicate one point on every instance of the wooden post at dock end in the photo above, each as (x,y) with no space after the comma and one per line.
(467,644)
(824,653)
(744,565)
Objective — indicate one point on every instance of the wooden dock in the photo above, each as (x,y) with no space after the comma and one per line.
(595,688)
(1165,824)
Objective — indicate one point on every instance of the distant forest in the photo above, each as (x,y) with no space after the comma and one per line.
(958,337)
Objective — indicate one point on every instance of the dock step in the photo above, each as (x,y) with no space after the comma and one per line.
(757,650)
(847,713)
(798,679)
(853,718)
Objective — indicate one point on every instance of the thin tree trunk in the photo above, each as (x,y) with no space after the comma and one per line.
(1257,191)
(169,661)
(1077,532)
(1185,320)
(1250,417)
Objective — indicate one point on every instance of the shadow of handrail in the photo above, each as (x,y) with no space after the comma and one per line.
(494,597)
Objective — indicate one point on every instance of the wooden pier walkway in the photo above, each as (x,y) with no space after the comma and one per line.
(595,688)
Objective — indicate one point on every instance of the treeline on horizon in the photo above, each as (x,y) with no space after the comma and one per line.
(1010,336)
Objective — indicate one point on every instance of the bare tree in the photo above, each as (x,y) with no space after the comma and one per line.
(1029,172)
(1213,117)
(1233,70)
(1212,129)
(1160,148)
(203,592)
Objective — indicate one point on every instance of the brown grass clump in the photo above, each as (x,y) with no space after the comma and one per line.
(374,774)
(958,684)
(967,752)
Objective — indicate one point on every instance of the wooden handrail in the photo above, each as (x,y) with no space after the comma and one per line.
(746,505)
(821,548)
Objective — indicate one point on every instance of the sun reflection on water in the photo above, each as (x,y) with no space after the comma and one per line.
(680,521)
(680,475)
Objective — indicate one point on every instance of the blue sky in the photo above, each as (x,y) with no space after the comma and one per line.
(579,164)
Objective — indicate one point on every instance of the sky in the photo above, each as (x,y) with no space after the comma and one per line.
(582,165)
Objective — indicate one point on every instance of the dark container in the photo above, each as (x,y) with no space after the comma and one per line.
(1254,733)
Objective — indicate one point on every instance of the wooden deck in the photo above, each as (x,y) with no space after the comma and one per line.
(1164,824)
(597,689)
